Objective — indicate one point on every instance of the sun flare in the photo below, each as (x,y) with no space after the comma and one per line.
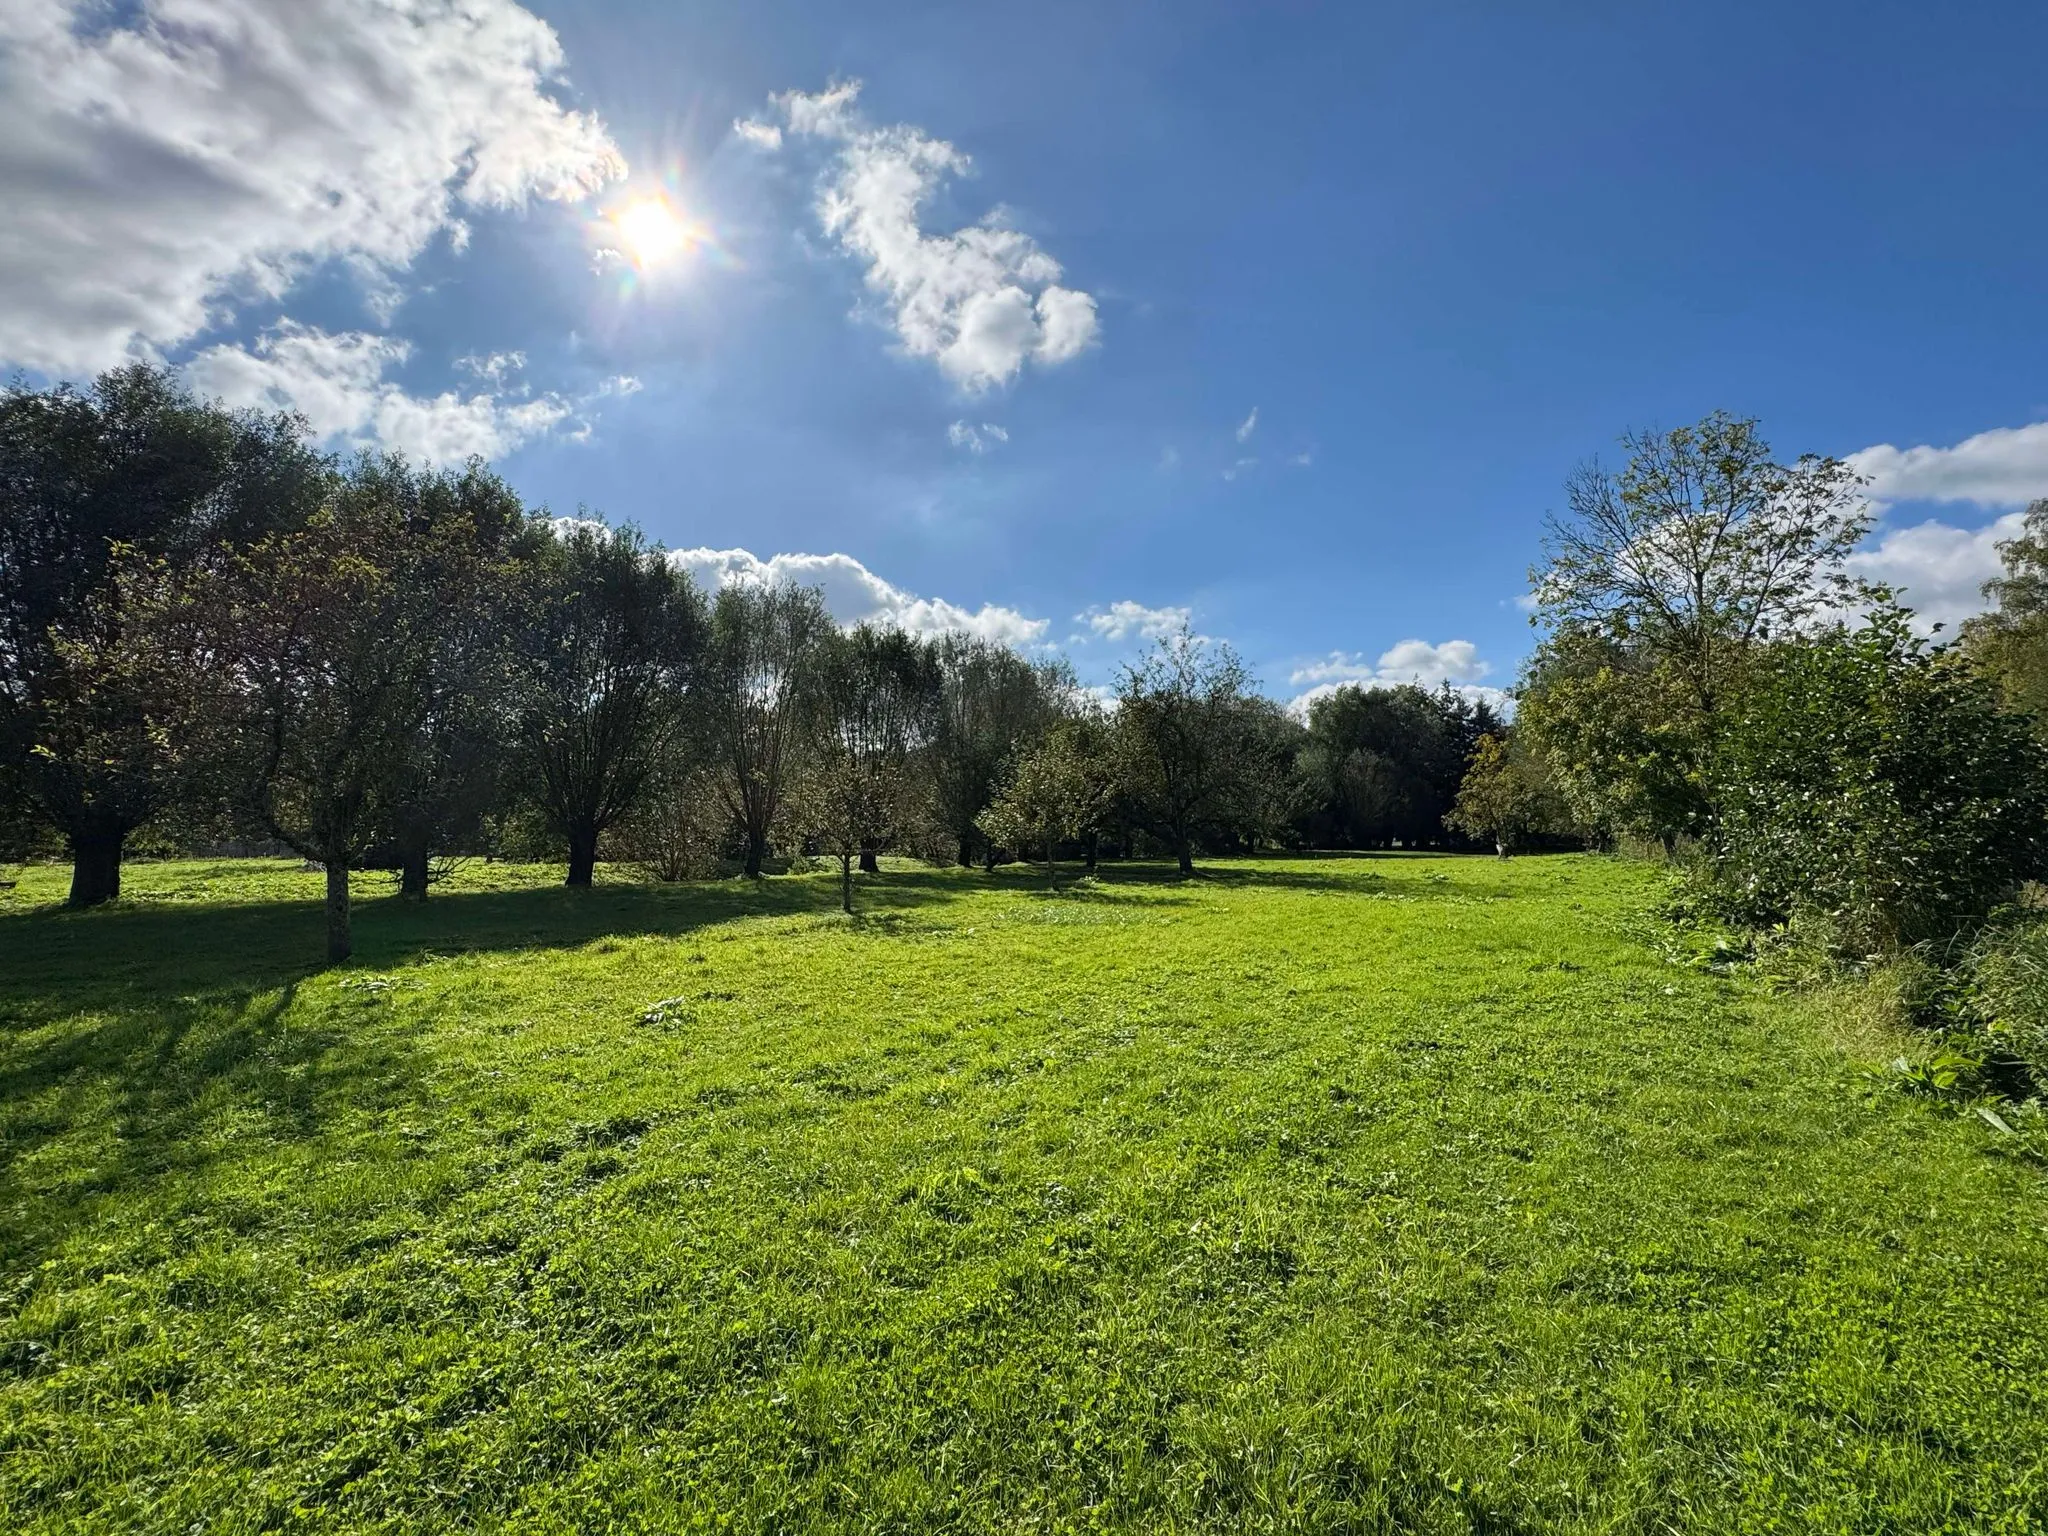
(651,232)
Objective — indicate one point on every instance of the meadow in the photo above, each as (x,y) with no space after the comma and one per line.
(1338,1194)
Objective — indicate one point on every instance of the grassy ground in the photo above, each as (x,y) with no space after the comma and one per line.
(1337,1195)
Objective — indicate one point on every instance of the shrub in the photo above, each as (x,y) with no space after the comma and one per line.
(1871,787)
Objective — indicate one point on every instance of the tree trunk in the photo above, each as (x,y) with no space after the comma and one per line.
(988,857)
(846,884)
(413,829)
(1187,857)
(582,856)
(757,851)
(868,866)
(1052,870)
(1094,842)
(966,851)
(340,943)
(1500,846)
(96,866)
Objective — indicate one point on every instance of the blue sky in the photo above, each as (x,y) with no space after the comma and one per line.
(1443,253)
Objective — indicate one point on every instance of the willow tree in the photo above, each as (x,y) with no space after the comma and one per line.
(609,653)
(766,642)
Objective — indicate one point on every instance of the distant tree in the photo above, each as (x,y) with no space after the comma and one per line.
(876,694)
(993,705)
(1055,791)
(135,463)
(2010,643)
(1182,739)
(610,656)
(1383,764)
(1702,547)
(1506,797)
(765,644)
(1273,793)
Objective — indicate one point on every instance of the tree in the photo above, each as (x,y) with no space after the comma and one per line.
(765,641)
(1055,791)
(1273,794)
(610,654)
(1506,796)
(875,695)
(323,643)
(458,768)
(1702,547)
(1620,735)
(1383,764)
(993,704)
(2010,643)
(137,464)
(1873,786)
(1182,739)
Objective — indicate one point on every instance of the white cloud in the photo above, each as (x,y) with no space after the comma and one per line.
(975,439)
(1232,471)
(497,368)
(1939,570)
(854,594)
(981,301)
(2005,467)
(1410,661)
(1248,426)
(166,162)
(337,381)
(1126,619)
(1302,460)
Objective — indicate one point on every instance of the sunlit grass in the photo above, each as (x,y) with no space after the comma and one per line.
(1346,1194)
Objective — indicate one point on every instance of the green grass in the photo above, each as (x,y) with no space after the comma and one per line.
(1377,1194)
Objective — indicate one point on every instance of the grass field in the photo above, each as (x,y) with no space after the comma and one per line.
(1379,1194)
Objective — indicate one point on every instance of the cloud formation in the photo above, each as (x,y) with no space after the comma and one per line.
(2004,467)
(1248,426)
(1126,620)
(1939,570)
(963,434)
(169,161)
(981,301)
(855,595)
(1454,662)
(337,380)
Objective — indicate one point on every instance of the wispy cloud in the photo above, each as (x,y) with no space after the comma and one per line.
(337,380)
(963,434)
(1126,620)
(981,301)
(1248,426)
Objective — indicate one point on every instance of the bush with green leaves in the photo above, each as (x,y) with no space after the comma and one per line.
(1870,787)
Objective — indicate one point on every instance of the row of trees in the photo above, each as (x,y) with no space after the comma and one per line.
(209,631)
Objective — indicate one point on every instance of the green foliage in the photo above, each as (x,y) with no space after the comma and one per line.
(1057,790)
(1383,764)
(1382,1194)
(2011,641)
(1873,787)
(1507,796)
(1622,737)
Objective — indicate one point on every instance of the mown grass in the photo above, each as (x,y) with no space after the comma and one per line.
(1387,1194)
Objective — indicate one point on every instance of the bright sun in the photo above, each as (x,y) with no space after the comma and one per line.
(651,231)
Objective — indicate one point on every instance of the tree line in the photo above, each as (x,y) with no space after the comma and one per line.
(210,632)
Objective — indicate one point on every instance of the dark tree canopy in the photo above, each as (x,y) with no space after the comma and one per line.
(134,463)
